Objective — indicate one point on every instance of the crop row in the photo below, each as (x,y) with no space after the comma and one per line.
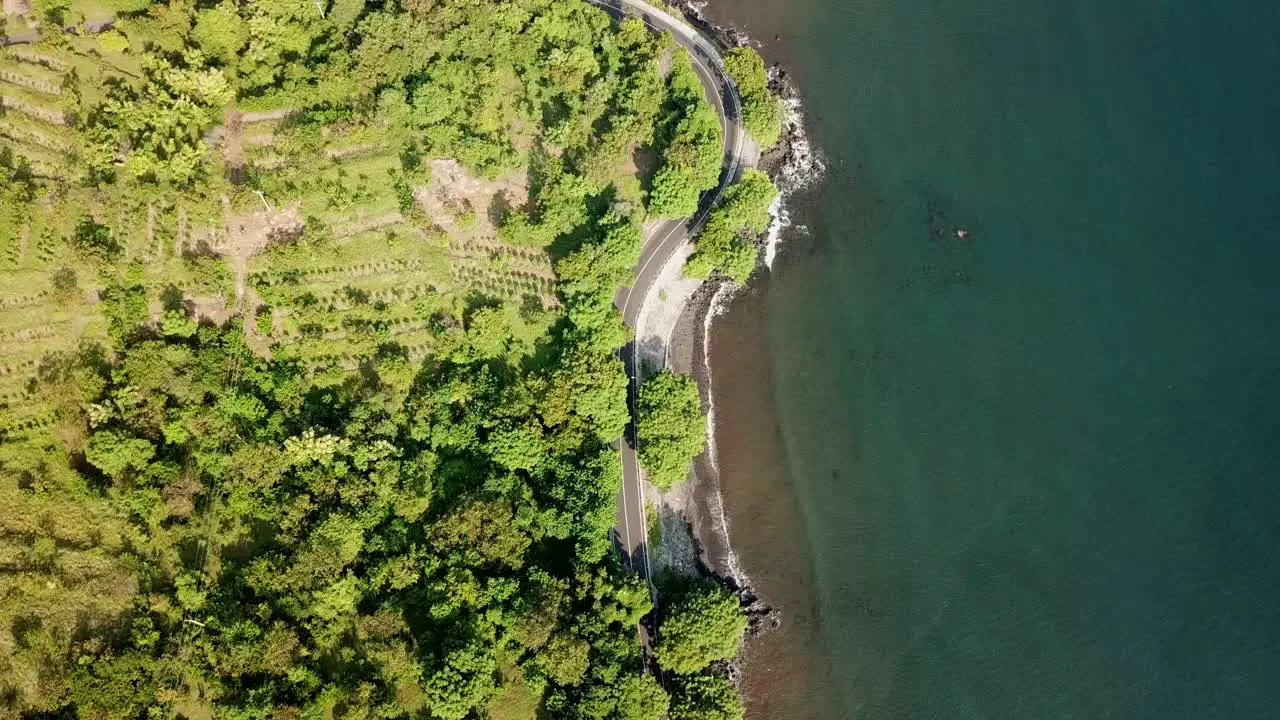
(36,148)
(16,395)
(30,424)
(336,299)
(417,351)
(21,367)
(11,240)
(489,247)
(29,103)
(394,328)
(183,284)
(30,56)
(297,276)
(51,137)
(29,79)
(507,265)
(19,301)
(42,162)
(35,333)
(522,278)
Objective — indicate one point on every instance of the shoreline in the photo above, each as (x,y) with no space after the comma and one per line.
(674,330)
(695,528)
(682,323)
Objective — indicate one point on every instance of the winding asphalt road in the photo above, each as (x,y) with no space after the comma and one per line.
(660,243)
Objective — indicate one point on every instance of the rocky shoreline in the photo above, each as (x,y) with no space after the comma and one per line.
(695,539)
(692,522)
(694,534)
(792,163)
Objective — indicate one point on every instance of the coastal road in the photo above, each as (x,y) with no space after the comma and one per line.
(660,244)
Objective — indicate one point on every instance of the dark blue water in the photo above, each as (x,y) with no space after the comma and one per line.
(1037,471)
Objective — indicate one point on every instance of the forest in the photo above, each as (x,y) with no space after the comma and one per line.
(310,397)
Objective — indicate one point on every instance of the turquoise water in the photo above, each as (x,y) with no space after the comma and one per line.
(1033,473)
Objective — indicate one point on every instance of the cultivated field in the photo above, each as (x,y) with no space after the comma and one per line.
(323,235)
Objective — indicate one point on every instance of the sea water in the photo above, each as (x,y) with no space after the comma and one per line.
(1000,433)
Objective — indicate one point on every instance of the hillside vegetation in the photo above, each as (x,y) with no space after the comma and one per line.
(309,392)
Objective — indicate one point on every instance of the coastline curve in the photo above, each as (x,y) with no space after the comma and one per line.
(660,245)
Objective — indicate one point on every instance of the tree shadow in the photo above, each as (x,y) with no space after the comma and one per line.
(499,209)
(171,298)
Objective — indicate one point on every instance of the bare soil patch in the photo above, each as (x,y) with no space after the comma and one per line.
(468,207)
(213,309)
(250,233)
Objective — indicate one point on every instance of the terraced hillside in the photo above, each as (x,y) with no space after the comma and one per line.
(328,236)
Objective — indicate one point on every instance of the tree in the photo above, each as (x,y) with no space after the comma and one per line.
(705,696)
(727,240)
(761,111)
(220,32)
(94,241)
(670,427)
(640,698)
(124,303)
(488,331)
(564,658)
(66,286)
(406,496)
(53,12)
(162,121)
(703,624)
(460,681)
(113,42)
(114,687)
(345,13)
(590,386)
(691,145)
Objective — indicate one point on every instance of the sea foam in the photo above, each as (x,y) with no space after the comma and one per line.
(718,305)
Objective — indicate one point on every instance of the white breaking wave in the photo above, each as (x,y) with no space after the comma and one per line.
(802,168)
(781,220)
(719,304)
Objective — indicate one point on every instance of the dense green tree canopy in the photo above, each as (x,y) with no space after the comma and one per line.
(289,459)
(670,427)
(703,625)
(727,241)
(691,141)
(319,521)
(761,111)
(705,696)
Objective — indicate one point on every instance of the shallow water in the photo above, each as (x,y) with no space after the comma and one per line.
(1030,473)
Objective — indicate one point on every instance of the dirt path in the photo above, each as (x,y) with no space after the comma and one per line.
(233,145)
(180,238)
(266,115)
(156,251)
